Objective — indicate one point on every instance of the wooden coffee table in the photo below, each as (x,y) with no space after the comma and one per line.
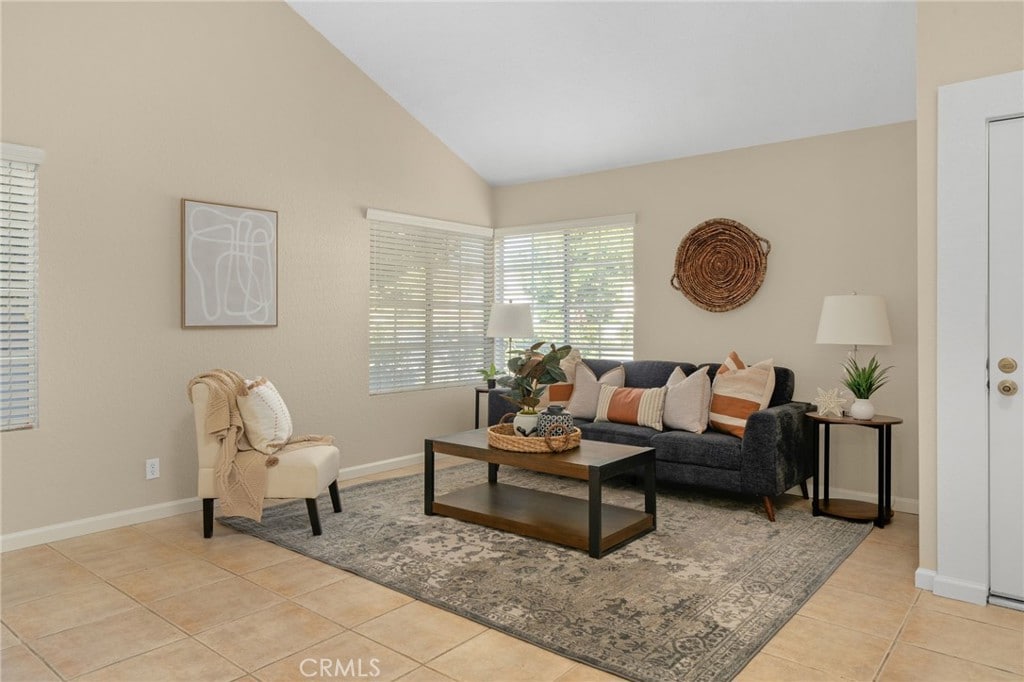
(584,524)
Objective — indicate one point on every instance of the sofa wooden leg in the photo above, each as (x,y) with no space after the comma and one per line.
(803,490)
(769,508)
(335,499)
(314,515)
(207,517)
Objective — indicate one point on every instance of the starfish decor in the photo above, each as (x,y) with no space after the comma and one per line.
(829,403)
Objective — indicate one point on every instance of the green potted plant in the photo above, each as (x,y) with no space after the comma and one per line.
(530,373)
(862,381)
(490,375)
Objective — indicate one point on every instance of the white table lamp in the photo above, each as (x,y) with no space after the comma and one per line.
(854,320)
(512,321)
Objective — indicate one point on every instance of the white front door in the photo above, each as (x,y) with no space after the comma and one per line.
(1006,357)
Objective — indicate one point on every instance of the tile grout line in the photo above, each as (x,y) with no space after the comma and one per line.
(896,637)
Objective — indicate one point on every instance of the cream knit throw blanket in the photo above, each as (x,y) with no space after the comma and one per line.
(241,472)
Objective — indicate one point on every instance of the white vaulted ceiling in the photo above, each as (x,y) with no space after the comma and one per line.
(528,91)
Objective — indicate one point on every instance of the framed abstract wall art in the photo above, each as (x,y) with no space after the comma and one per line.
(228,266)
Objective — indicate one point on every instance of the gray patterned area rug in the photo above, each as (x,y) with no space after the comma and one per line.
(694,600)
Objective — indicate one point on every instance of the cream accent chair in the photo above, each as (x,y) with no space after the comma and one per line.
(302,473)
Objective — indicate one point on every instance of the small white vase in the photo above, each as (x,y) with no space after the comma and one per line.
(862,409)
(525,424)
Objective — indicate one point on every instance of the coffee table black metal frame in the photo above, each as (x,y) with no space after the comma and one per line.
(585,524)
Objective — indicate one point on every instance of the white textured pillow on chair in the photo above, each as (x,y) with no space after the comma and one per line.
(688,400)
(587,391)
(268,425)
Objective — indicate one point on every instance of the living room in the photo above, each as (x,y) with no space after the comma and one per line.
(137,106)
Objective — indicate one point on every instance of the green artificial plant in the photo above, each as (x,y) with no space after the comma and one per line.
(490,373)
(863,380)
(531,372)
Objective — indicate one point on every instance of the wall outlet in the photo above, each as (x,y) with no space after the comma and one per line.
(153,468)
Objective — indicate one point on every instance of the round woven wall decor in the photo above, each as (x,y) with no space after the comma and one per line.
(720,264)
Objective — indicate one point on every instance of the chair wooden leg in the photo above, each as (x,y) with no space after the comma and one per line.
(207,517)
(769,508)
(335,499)
(803,490)
(314,515)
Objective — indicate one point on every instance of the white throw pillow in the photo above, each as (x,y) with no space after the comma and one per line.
(587,390)
(268,425)
(688,400)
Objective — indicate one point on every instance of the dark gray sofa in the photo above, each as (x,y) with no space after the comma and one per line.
(775,453)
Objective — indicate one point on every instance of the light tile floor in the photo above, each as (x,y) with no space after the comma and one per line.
(158,602)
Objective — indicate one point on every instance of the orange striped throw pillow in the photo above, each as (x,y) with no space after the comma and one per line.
(738,392)
(640,406)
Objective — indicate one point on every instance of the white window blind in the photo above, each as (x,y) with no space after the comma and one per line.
(18,273)
(431,286)
(579,278)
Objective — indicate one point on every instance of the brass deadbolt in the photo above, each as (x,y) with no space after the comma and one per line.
(1007,365)
(1007,387)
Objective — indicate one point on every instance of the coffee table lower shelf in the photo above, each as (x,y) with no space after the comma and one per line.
(542,515)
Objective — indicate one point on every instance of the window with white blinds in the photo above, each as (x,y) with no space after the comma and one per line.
(579,277)
(19,186)
(431,287)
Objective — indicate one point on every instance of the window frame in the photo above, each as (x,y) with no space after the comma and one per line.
(25,160)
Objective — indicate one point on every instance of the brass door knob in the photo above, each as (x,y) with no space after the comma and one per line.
(1007,365)
(1007,387)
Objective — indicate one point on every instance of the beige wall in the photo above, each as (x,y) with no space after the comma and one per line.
(956,41)
(138,105)
(839,211)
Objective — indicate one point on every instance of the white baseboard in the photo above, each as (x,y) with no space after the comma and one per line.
(95,524)
(360,470)
(128,517)
(900,504)
(954,588)
(924,578)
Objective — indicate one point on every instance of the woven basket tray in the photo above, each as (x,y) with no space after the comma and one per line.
(503,437)
(720,264)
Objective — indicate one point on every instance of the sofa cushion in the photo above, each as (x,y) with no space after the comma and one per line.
(709,449)
(610,432)
(687,401)
(653,373)
(587,391)
(641,373)
(739,391)
(640,406)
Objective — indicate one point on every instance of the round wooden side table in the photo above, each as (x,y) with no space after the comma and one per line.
(852,509)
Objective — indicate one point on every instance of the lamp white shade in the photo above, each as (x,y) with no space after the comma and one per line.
(854,320)
(510,320)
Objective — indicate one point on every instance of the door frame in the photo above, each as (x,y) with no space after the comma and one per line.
(962,456)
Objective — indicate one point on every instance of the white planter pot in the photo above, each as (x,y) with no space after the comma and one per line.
(862,409)
(525,424)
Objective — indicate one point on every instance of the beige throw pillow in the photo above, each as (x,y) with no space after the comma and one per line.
(738,392)
(265,417)
(587,390)
(688,400)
